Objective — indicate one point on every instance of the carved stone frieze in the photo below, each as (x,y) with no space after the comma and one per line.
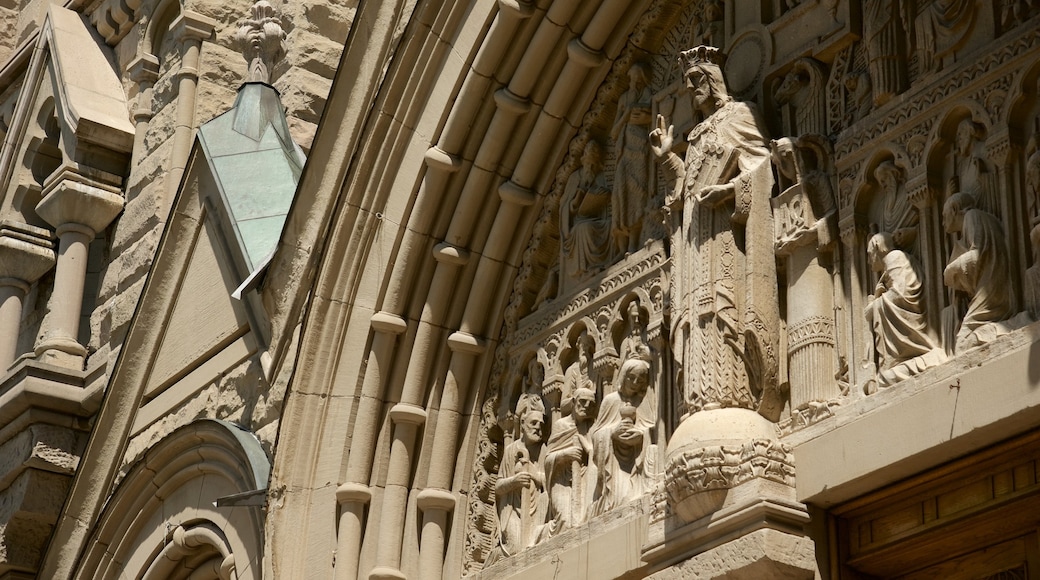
(727,466)
(943,89)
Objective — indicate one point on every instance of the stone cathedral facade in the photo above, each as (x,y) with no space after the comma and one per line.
(520,289)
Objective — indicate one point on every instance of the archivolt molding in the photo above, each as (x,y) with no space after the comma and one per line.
(458,207)
(163,515)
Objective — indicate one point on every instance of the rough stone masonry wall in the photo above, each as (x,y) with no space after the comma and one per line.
(315,31)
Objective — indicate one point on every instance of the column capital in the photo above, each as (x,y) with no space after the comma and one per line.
(466,343)
(435,499)
(26,252)
(189,26)
(353,493)
(408,414)
(144,69)
(388,323)
(74,199)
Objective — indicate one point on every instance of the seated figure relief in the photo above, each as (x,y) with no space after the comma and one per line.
(903,345)
(978,274)
(584,217)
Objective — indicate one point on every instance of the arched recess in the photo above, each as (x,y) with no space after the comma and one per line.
(456,153)
(163,520)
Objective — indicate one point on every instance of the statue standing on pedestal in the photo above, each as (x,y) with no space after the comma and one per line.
(726,294)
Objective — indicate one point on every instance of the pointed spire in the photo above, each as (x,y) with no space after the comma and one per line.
(262,42)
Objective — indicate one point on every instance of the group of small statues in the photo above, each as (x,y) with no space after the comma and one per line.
(596,457)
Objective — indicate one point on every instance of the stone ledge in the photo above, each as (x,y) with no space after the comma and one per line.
(984,396)
(606,547)
(32,384)
(747,508)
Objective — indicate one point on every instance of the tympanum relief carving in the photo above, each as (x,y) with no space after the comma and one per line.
(690,264)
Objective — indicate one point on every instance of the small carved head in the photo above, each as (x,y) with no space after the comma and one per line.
(535,374)
(592,155)
(702,69)
(634,376)
(635,315)
(782,152)
(585,345)
(639,74)
(888,176)
(531,412)
(584,404)
(878,246)
(968,132)
(531,427)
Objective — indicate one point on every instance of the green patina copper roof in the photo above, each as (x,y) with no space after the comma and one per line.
(256,165)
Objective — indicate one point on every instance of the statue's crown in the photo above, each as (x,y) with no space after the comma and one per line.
(701,55)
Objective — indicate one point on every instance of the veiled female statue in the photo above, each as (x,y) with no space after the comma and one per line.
(621,440)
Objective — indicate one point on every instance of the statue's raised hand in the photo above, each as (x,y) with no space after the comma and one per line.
(661,138)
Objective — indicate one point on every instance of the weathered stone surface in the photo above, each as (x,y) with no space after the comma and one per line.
(303,94)
(28,509)
(314,52)
(761,554)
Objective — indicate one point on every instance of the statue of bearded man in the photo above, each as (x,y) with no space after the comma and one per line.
(726,331)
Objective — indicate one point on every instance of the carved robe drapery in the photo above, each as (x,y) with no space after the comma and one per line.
(622,471)
(897,319)
(571,484)
(584,223)
(728,291)
(887,26)
(632,173)
(981,272)
(521,512)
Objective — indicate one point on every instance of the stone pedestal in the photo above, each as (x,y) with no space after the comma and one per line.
(732,511)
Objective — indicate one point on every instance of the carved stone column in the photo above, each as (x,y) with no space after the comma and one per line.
(436,501)
(1004,155)
(190,29)
(26,253)
(810,311)
(78,208)
(853,238)
(143,70)
(930,235)
(354,494)
(810,301)
(407,419)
